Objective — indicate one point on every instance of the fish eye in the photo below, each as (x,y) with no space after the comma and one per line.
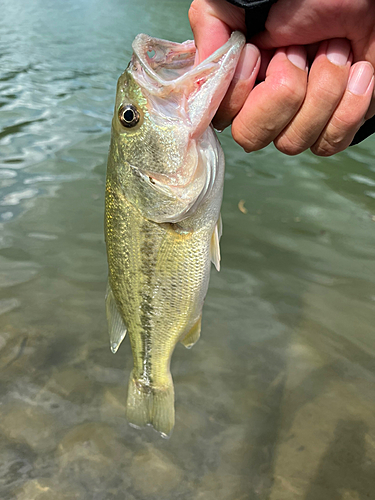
(128,115)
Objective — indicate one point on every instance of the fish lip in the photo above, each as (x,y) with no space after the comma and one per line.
(142,44)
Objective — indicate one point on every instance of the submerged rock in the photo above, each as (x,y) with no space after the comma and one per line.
(48,489)
(29,424)
(71,384)
(93,455)
(154,473)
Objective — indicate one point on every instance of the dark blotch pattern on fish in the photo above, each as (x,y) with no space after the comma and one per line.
(147,310)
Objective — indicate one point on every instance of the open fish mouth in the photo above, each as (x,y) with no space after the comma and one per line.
(178,90)
(170,63)
(164,61)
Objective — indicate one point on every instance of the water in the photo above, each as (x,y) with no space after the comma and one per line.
(277,400)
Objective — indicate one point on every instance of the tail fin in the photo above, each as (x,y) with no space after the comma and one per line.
(151,406)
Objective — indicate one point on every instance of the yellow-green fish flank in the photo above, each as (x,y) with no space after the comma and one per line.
(162,215)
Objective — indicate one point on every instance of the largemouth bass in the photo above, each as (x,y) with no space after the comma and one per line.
(162,211)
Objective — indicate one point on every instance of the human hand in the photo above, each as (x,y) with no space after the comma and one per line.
(298,109)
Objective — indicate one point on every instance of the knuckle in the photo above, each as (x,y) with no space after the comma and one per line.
(247,139)
(323,148)
(329,146)
(290,92)
(242,140)
(327,96)
(343,123)
(337,136)
(290,146)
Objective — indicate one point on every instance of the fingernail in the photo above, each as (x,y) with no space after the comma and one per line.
(360,78)
(338,51)
(247,62)
(298,56)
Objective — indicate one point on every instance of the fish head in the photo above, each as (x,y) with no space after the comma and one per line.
(164,106)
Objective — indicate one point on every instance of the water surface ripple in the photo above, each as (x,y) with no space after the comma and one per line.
(277,400)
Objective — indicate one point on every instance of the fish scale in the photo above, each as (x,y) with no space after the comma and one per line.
(164,188)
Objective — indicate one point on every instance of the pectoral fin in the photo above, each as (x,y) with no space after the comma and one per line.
(193,335)
(116,325)
(215,244)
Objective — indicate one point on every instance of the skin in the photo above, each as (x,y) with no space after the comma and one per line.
(314,67)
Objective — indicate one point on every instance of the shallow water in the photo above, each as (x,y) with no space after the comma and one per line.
(277,400)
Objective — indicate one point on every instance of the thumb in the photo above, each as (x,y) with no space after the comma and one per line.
(212,22)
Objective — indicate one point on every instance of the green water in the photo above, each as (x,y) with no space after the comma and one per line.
(277,400)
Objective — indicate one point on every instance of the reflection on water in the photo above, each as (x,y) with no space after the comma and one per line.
(277,400)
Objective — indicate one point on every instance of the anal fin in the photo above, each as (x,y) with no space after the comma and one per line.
(116,326)
(193,335)
(215,244)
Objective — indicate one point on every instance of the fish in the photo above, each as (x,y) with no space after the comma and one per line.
(164,188)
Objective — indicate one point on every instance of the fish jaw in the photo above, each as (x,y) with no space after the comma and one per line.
(164,173)
(194,92)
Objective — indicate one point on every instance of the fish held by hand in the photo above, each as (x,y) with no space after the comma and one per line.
(162,212)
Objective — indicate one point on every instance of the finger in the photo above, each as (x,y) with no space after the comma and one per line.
(212,22)
(273,103)
(265,59)
(304,22)
(371,110)
(327,82)
(240,87)
(349,114)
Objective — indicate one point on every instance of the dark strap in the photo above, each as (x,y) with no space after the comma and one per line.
(256,12)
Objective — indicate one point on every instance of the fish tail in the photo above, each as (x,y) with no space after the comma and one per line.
(151,405)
